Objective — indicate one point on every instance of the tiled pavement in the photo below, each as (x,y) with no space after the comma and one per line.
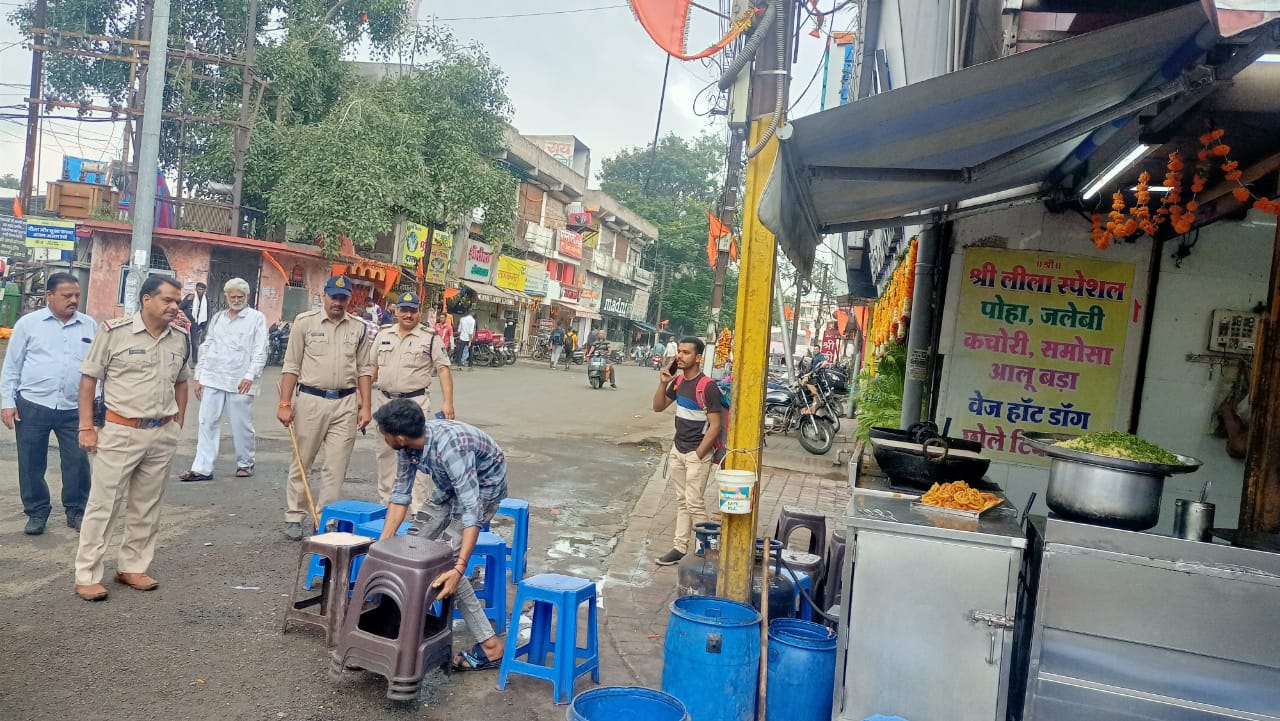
(637,592)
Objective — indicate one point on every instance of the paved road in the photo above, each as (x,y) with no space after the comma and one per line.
(199,648)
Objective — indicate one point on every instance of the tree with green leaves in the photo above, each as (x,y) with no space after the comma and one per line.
(10,181)
(673,186)
(332,153)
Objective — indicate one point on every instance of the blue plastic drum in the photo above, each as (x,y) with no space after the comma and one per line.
(802,671)
(625,703)
(712,658)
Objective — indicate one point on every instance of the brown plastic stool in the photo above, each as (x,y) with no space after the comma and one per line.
(341,550)
(832,580)
(793,518)
(396,634)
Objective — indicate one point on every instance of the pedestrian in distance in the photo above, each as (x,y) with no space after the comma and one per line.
(406,357)
(698,420)
(325,397)
(39,392)
(197,311)
(669,352)
(469,475)
(466,332)
(557,345)
(226,381)
(142,362)
(570,347)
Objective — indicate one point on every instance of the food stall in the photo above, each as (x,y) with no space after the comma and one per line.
(1083,615)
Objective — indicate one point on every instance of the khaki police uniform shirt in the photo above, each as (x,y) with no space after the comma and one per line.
(138,371)
(407,363)
(327,355)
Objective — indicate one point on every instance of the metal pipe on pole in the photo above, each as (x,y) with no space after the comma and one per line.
(33,110)
(144,199)
(920,332)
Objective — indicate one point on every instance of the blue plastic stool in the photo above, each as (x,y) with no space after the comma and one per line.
(562,594)
(490,552)
(517,552)
(345,516)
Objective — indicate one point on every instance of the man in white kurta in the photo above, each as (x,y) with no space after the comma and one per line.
(227,378)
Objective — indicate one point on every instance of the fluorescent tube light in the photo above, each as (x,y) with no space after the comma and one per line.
(1110,173)
(1268,58)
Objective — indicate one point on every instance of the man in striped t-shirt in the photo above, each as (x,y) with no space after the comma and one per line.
(698,420)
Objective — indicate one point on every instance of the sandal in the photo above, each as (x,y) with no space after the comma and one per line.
(190,476)
(475,660)
(244,472)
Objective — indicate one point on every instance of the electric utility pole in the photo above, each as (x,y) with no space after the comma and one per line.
(33,110)
(765,115)
(144,198)
(728,214)
(242,130)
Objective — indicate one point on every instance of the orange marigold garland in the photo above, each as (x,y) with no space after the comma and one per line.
(892,311)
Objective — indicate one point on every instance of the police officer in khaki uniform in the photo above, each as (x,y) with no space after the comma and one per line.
(407,356)
(142,362)
(324,395)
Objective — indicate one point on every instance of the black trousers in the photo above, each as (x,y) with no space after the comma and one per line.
(33,457)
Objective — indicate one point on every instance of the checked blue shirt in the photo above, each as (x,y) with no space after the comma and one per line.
(466,465)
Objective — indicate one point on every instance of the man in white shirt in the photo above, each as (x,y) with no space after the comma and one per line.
(466,331)
(227,380)
(669,354)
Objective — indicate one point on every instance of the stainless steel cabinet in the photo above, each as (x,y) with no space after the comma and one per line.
(929,614)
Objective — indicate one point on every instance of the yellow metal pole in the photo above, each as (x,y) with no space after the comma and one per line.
(750,370)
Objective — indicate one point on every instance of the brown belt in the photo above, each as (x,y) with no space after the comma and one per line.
(113,417)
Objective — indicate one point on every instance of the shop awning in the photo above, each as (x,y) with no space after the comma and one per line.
(645,326)
(577,310)
(983,130)
(490,293)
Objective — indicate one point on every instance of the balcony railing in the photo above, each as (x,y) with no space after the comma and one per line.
(642,277)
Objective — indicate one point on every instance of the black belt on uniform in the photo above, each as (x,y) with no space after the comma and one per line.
(327,395)
(410,394)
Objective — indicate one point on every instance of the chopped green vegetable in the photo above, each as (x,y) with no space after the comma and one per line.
(1115,444)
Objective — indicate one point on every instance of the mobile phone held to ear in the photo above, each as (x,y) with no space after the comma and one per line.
(673,368)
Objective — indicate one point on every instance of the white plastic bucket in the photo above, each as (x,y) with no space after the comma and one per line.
(735,490)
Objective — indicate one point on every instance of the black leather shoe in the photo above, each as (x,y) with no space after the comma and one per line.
(35,526)
(74,519)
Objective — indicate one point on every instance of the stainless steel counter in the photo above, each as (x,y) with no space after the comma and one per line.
(1133,625)
(929,609)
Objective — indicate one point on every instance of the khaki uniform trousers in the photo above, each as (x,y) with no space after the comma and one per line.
(387,461)
(688,475)
(320,425)
(129,474)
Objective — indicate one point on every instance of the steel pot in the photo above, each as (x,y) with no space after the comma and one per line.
(1107,496)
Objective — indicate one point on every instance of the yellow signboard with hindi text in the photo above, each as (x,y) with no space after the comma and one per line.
(1039,347)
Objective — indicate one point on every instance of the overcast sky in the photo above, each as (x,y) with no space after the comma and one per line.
(594,74)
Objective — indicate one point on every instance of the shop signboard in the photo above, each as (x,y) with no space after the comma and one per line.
(570,244)
(1040,341)
(570,293)
(13,236)
(512,274)
(478,263)
(436,266)
(592,291)
(416,239)
(617,302)
(830,345)
(53,234)
(535,279)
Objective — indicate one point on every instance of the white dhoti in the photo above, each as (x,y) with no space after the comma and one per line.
(238,408)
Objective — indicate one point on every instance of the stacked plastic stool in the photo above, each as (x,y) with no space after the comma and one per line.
(792,519)
(341,552)
(805,571)
(396,634)
(517,552)
(554,595)
(490,553)
(342,517)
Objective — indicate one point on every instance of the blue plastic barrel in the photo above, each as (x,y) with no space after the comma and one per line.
(802,671)
(625,703)
(712,658)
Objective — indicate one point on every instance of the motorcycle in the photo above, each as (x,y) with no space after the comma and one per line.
(277,342)
(482,348)
(507,352)
(795,408)
(832,384)
(616,356)
(596,369)
(541,348)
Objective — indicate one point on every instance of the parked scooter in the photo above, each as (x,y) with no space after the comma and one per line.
(277,341)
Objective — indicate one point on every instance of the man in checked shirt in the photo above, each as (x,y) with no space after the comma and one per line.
(469,472)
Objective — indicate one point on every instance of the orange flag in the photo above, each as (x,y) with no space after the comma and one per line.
(787,312)
(733,249)
(17,208)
